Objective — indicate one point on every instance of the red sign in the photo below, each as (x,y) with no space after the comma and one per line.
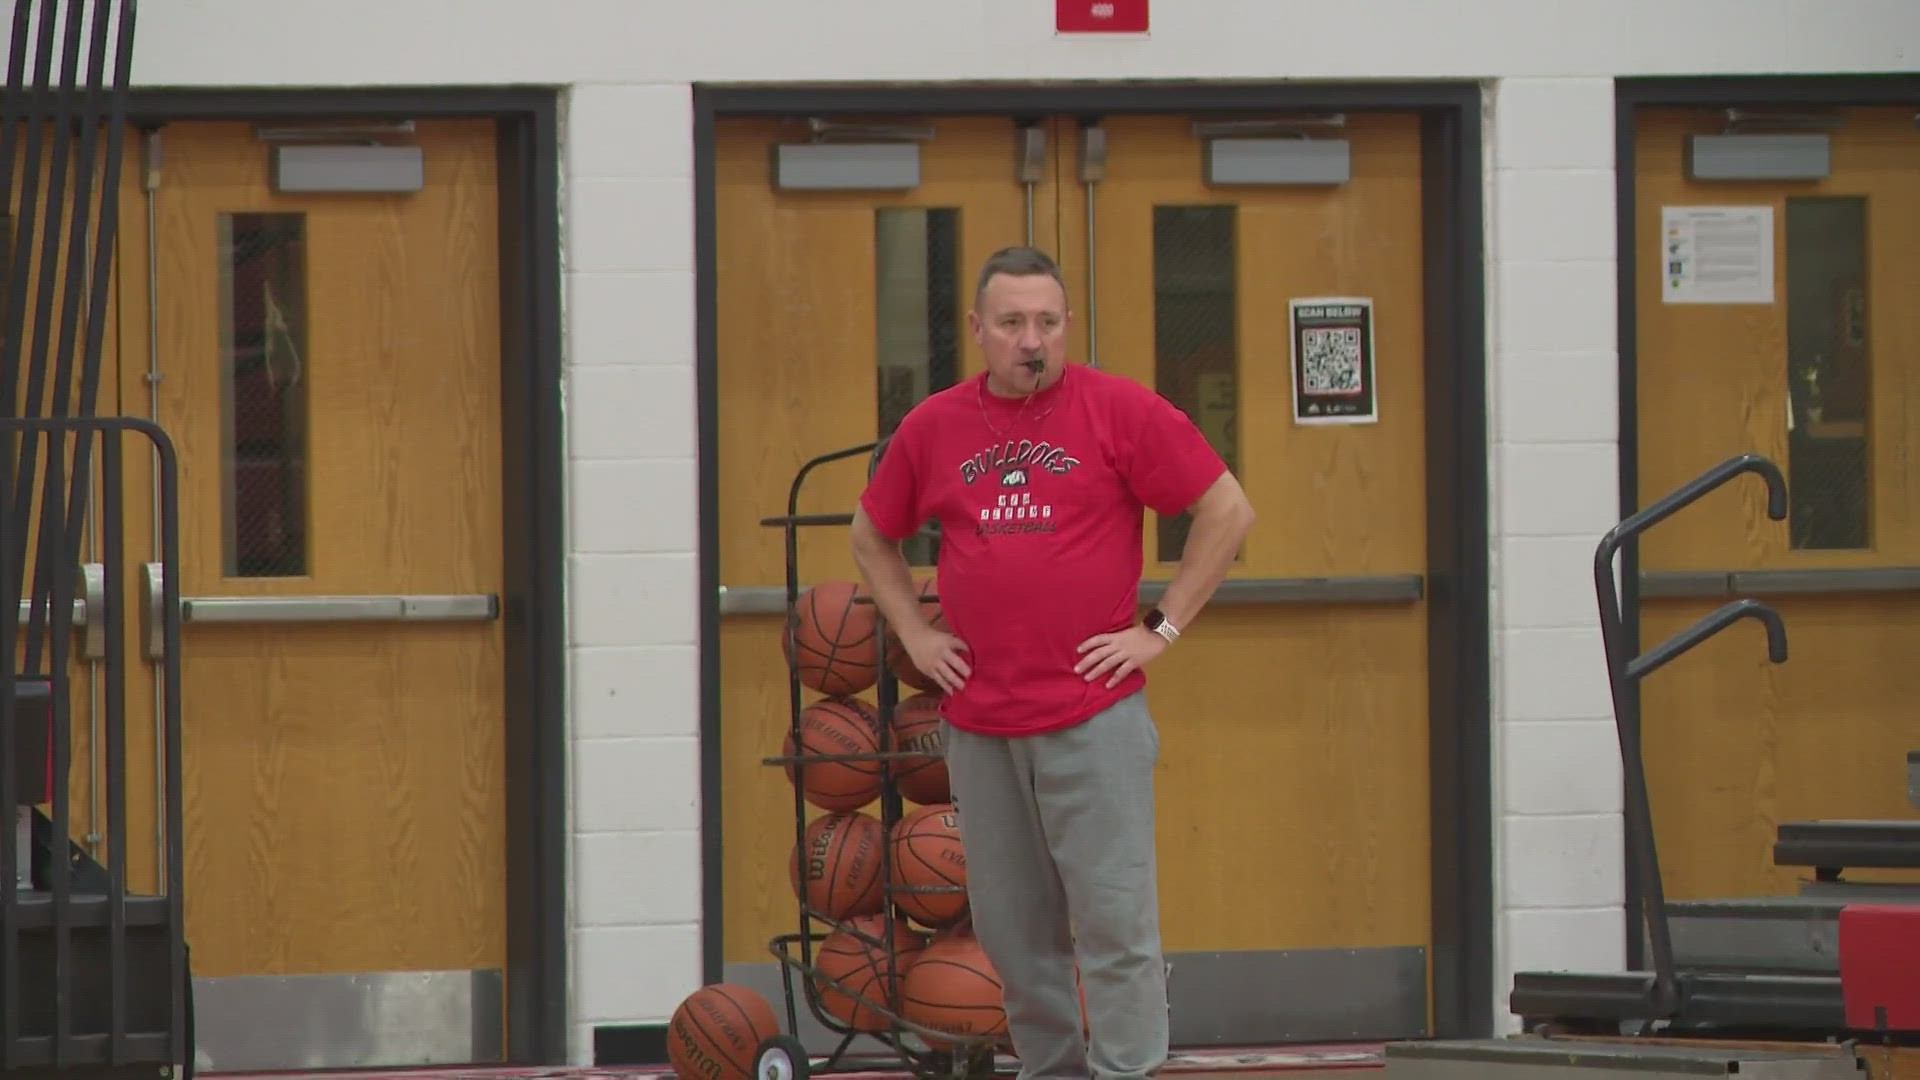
(1100,16)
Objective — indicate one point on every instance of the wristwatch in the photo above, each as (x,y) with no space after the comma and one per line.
(1156,621)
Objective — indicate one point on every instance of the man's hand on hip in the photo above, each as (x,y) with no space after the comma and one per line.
(1121,653)
(938,656)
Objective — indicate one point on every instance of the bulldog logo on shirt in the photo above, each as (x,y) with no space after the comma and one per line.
(1019,465)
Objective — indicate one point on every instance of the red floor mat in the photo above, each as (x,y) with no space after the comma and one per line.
(1245,1059)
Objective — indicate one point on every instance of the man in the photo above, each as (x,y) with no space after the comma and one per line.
(1038,472)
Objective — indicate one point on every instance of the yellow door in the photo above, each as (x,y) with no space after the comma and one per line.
(1294,737)
(837,311)
(328,367)
(1294,778)
(1816,365)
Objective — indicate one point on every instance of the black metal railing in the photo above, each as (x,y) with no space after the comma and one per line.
(93,964)
(1624,674)
(92,972)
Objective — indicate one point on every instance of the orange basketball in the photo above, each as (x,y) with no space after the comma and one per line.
(832,641)
(898,661)
(836,871)
(716,1032)
(954,988)
(927,853)
(916,726)
(837,725)
(859,977)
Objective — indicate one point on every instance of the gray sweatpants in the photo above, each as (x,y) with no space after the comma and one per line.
(1059,834)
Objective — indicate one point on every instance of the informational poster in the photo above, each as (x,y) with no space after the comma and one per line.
(1716,254)
(1333,373)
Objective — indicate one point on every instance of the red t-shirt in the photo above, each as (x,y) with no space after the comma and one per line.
(1041,505)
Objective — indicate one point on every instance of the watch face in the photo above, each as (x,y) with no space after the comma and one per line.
(1154,619)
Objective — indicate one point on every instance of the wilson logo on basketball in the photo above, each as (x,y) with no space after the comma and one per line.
(835,869)
(716,1032)
(695,1055)
(817,849)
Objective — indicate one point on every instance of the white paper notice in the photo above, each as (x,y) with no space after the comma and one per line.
(1717,254)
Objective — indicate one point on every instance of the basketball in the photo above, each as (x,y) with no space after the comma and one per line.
(927,852)
(953,988)
(832,641)
(837,725)
(858,977)
(916,726)
(716,1033)
(836,871)
(898,661)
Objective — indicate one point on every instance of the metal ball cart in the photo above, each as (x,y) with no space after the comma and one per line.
(926,1052)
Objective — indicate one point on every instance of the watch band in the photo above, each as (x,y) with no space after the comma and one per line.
(1157,622)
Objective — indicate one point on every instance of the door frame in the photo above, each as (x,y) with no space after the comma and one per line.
(1456,417)
(533,483)
(1712,92)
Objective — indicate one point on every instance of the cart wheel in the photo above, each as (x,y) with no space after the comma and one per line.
(979,1063)
(781,1058)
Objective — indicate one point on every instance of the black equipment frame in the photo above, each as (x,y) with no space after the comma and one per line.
(1702,1002)
(94,979)
(108,969)
(962,1057)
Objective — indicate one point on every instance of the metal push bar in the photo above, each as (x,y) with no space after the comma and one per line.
(1354,589)
(87,619)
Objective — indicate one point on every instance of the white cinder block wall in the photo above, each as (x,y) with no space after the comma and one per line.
(1553,382)
(633,515)
(626,67)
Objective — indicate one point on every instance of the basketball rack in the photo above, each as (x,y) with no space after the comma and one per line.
(927,1052)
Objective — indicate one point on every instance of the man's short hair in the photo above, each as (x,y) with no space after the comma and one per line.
(1016,262)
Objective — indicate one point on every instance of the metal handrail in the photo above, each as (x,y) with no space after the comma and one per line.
(1721,617)
(1624,675)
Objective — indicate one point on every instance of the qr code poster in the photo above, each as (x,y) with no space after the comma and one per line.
(1333,361)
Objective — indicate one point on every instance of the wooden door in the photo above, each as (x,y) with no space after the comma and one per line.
(1293,735)
(1294,830)
(328,369)
(1820,372)
(837,311)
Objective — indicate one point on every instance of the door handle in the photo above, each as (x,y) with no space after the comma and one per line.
(87,609)
(1239,592)
(254,610)
(79,613)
